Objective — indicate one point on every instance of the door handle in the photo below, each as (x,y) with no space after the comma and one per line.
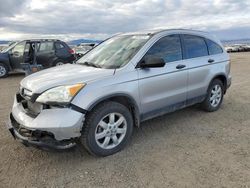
(180,66)
(210,61)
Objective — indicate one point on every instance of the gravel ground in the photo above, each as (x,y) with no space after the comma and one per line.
(188,148)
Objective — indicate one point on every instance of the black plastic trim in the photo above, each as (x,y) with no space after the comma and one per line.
(34,97)
(113,95)
(131,99)
(172,108)
(77,108)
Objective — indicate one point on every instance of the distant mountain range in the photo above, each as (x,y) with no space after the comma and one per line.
(79,41)
(238,41)
(4,42)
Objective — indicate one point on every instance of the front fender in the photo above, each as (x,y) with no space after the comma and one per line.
(99,90)
(4,58)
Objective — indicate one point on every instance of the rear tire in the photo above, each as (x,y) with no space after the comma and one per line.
(214,96)
(107,129)
(3,70)
(58,63)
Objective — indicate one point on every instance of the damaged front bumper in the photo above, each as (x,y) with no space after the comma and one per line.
(56,128)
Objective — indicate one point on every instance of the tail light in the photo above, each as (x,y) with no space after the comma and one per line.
(71,51)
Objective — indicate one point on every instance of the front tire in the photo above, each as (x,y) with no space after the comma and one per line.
(214,96)
(107,129)
(3,70)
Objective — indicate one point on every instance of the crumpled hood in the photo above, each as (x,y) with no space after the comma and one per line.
(63,75)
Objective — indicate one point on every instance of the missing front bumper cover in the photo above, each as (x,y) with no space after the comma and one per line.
(40,139)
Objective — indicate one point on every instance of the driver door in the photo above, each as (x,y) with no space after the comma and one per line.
(17,55)
(164,89)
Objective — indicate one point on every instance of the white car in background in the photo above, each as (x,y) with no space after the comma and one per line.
(83,48)
(245,48)
(233,48)
(238,48)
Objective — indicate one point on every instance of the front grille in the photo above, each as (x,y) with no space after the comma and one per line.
(31,108)
(25,93)
(34,108)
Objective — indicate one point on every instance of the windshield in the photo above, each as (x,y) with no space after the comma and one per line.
(6,49)
(114,52)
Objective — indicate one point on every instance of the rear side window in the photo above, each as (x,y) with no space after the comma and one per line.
(194,46)
(168,48)
(213,48)
(46,46)
(59,45)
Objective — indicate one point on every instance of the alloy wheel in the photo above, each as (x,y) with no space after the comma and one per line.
(111,131)
(59,63)
(216,95)
(2,70)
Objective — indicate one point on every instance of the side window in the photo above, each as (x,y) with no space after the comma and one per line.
(168,48)
(46,46)
(19,48)
(213,48)
(59,45)
(194,46)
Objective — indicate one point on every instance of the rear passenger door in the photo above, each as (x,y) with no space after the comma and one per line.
(64,53)
(61,51)
(198,61)
(46,53)
(163,89)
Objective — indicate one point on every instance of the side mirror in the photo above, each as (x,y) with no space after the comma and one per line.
(152,62)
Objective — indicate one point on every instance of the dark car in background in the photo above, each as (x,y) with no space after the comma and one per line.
(44,52)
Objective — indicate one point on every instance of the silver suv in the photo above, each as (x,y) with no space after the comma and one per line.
(125,80)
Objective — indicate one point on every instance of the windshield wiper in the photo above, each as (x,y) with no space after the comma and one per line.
(91,64)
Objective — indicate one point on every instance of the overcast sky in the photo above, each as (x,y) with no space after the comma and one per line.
(98,19)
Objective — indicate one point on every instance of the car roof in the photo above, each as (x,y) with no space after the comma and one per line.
(156,31)
(174,31)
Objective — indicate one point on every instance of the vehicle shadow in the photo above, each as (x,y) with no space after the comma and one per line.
(160,127)
(16,74)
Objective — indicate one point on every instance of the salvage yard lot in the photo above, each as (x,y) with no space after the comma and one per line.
(187,148)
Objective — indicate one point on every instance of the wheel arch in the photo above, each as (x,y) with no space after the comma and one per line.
(223,79)
(7,64)
(123,99)
(55,60)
